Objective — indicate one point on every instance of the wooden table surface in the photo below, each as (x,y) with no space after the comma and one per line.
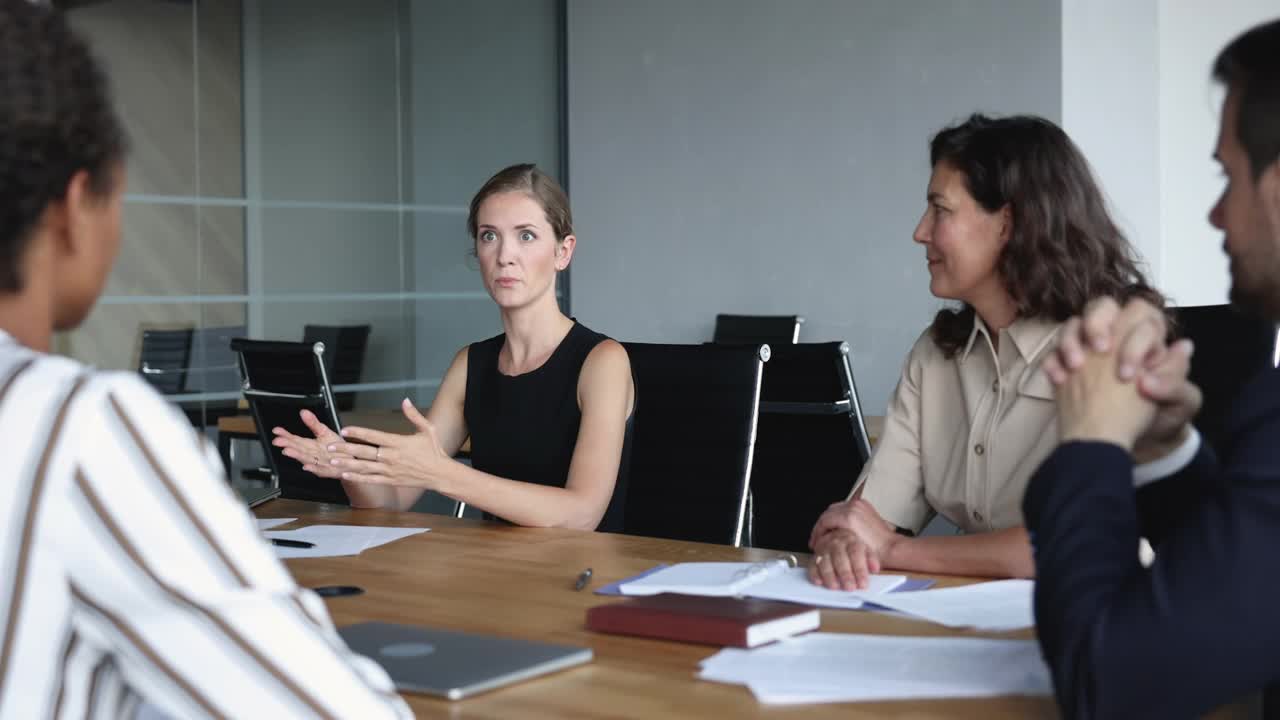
(518,582)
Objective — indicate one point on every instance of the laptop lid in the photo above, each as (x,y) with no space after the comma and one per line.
(455,665)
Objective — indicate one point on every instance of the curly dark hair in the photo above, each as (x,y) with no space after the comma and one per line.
(1250,65)
(56,119)
(1064,249)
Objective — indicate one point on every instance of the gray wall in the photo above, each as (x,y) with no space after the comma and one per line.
(755,156)
(483,95)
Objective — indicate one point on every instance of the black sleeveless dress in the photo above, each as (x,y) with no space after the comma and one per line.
(525,427)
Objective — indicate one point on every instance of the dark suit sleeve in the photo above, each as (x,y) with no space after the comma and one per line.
(1163,504)
(1194,631)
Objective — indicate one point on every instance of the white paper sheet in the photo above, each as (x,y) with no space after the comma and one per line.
(793,585)
(268,523)
(998,605)
(829,667)
(337,540)
(701,578)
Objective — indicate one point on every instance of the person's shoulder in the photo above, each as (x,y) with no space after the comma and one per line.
(584,343)
(606,364)
(480,354)
(54,378)
(489,347)
(1269,378)
(49,369)
(52,371)
(1260,396)
(587,333)
(126,397)
(460,357)
(608,353)
(124,384)
(925,351)
(91,402)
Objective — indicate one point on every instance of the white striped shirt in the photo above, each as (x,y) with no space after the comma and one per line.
(136,576)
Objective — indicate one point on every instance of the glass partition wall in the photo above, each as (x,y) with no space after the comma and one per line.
(301,165)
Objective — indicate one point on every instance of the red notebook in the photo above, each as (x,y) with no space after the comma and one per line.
(740,622)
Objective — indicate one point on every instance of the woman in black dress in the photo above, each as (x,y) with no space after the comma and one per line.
(547,404)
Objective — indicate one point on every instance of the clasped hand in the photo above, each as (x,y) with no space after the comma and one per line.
(1117,380)
(850,542)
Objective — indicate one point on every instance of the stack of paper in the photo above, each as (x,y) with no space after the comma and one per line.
(338,540)
(827,667)
(999,605)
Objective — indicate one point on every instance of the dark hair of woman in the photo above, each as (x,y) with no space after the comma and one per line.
(1064,249)
(56,119)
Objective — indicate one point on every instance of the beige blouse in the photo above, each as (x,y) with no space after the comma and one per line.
(963,435)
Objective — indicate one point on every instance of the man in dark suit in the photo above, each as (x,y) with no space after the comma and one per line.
(1200,627)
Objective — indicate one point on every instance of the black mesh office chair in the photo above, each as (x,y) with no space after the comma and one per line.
(344,355)
(757,329)
(279,379)
(165,358)
(212,369)
(1231,348)
(695,426)
(811,445)
(213,364)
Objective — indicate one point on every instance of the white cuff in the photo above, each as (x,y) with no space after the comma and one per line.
(1170,464)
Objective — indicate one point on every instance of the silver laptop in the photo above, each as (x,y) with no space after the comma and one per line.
(454,664)
(255,496)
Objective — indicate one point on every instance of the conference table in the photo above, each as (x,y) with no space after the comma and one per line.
(485,577)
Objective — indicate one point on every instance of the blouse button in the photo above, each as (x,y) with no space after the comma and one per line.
(977,516)
(979,449)
(995,385)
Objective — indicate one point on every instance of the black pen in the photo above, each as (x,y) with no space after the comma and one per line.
(584,577)
(292,543)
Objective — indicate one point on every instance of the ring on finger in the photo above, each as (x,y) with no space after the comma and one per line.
(377,456)
(818,561)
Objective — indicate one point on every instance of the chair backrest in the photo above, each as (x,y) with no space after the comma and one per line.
(279,379)
(811,445)
(165,358)
(344,354)
(691,452)
(213,364)
(757,329)
(1231,348)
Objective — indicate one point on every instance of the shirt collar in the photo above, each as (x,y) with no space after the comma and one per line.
(1029,335)
(978,328)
